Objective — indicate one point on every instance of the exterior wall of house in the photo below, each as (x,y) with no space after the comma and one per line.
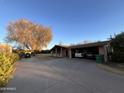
(103,51)
(59,52)
(63,52)
(55,52)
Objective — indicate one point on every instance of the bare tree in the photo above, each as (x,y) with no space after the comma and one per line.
(28,34)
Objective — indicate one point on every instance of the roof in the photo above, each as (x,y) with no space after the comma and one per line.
(63,46)
(95,44)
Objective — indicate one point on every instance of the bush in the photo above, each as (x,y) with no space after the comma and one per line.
(118,57)
(117,43)
(7,62)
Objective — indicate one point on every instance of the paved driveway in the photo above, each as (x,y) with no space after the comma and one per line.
(64,75)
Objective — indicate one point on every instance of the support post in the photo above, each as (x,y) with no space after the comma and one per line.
(70,53)
(105,55)
(61,53)
(56,52)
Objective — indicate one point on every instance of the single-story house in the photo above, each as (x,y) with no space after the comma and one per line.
(89,49)
(60,51)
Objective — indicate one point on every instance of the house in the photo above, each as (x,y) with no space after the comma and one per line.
(90,49)
(60,51)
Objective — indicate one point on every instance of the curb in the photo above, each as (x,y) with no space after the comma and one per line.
(110,69)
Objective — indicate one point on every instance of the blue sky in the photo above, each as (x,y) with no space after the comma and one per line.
(72,21)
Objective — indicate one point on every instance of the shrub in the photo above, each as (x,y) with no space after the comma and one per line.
(7,62)
(117,43)
(118,57)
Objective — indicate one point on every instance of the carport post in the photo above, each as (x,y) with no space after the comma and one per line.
(61,52)
(70,53)
(105,55)
(56,52)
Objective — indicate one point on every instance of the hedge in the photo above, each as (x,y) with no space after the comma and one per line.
(7,67)
(117,44)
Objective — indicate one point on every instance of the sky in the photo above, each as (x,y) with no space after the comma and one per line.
(72,21)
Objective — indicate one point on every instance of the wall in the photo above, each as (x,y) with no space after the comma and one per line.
(103,51)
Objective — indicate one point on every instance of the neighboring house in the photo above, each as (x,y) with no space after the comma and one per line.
(5,48)
(81,50)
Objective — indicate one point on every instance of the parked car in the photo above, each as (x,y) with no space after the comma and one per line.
(27,55)
(91,55)
(33,54)
(78,54)
(24,53)
(81,55)
(84,54)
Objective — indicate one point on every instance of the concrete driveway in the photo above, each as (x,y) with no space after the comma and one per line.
(64,75)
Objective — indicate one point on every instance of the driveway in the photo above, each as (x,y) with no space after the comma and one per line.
(63,75)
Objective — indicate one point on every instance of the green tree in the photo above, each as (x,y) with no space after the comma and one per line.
(117,43)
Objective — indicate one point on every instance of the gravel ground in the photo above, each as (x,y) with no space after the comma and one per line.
(63,75)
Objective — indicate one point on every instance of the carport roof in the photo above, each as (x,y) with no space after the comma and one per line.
(95,44)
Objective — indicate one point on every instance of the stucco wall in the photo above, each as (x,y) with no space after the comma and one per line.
(103,51)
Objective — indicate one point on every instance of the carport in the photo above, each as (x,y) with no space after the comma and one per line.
(90,50)
(94,50)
